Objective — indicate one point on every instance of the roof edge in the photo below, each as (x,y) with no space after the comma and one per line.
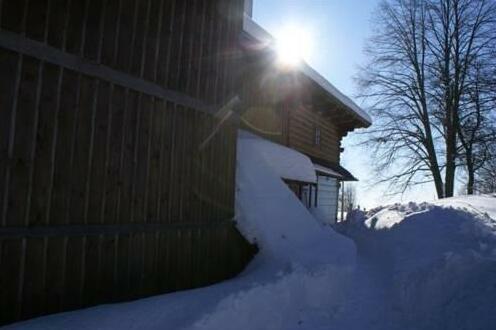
(343,172)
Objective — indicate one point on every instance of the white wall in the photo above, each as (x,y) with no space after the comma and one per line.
(327,200)
(249,7)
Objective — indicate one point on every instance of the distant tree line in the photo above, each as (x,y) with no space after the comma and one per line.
(347,200)
(430,84)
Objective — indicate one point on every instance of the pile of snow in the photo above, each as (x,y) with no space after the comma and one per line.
(297,280)
(284,162)
(439,257)
(271,215)
(311,263)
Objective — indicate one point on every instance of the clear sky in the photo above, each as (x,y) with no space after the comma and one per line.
(339,29)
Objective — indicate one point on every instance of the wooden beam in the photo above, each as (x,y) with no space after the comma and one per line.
(41,51)
(85,230)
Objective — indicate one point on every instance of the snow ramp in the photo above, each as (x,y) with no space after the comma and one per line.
(301,272)
(270,214)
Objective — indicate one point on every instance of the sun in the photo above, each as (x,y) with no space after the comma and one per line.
(293,45)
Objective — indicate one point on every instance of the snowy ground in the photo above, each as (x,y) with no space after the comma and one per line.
(415,266)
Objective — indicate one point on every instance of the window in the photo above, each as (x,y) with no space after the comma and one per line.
(316,138)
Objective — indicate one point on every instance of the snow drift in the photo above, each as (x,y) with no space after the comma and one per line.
(311,263)
(440,258)
(270,214)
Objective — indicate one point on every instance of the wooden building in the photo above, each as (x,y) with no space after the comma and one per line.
(105,194)
(298,108)
(117,170)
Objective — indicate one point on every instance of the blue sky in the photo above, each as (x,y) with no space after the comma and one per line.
(339,29)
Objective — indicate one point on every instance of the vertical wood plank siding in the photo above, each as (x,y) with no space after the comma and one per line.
(104,194)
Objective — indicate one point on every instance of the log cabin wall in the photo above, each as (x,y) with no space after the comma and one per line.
(303,122)
(267,121)
(284,110)
(294,125)
(104,193)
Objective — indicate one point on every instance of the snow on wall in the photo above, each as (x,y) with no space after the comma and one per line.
(303,267)
(271,214)
(285,162)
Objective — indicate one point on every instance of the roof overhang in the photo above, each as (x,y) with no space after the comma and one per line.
(337,171)
(326,171)
(255,31)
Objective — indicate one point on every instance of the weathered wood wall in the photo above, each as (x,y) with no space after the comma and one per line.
(104,193)
(268,121)
(288,113)
(303,120)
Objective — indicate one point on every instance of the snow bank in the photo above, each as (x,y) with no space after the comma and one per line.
(484,205)
(298,279)
(441,259)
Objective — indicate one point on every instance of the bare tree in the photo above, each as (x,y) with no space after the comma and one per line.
(477,129)
(350,198)
(461,41)
(487,174)
(347,199)
(395,82)
(421,55)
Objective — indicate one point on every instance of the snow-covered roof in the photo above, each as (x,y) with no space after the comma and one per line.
(287,163)
(259,33)
(327,170)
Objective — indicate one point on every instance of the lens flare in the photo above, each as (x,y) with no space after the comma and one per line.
(293,45)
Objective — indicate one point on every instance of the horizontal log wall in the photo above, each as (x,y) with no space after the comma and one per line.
(286,115)
(267,121)
(286,107)
(104,193)
(303,120)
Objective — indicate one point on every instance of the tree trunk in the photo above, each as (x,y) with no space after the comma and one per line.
(470,172)
(438,182)
(470,184)
(451,134)
(449,181)
(431,151)
(342,200)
